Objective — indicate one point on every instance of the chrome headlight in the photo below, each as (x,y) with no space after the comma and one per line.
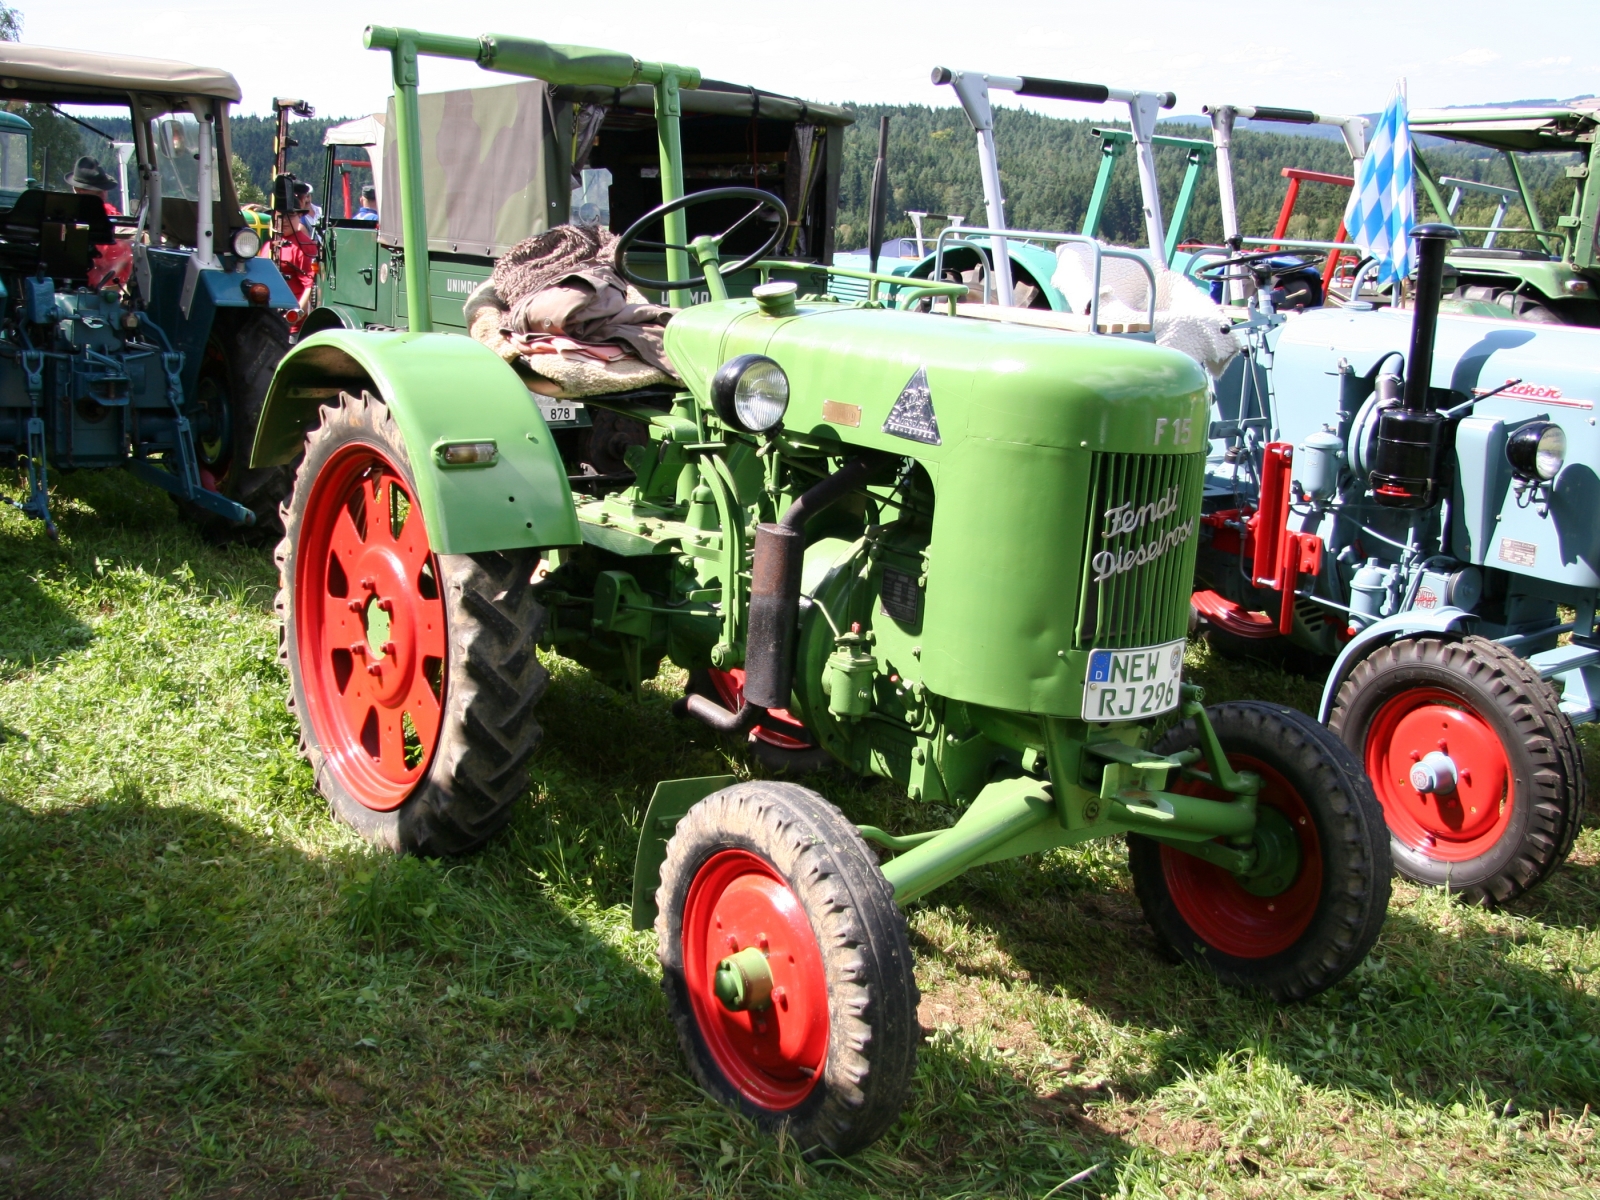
(246,242)
(1537,451)
(751,393)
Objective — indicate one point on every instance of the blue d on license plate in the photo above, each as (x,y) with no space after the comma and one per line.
(1129,685)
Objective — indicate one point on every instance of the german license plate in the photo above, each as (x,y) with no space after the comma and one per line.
(561,412)
(1129,685)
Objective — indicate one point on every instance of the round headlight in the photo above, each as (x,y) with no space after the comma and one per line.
(246,243)
(1537,450)
(751,393)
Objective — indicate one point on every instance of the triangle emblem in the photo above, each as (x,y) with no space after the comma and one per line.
(912,416)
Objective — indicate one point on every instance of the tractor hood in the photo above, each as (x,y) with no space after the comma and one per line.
(850,369)
(1558,367)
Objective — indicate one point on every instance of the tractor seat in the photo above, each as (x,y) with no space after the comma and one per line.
(1045,318)
(55,232)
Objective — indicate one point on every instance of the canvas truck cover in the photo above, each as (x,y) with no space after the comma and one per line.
(81,74)
(485,178)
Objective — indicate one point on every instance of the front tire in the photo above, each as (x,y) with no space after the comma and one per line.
(1514,809)
(830,1056)
(1320,923)
(413,674)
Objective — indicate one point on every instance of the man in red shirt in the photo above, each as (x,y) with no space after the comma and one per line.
(115,261)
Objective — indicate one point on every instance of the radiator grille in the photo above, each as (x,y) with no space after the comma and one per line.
(1143,520)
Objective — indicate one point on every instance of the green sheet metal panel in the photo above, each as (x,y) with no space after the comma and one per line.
(439,387)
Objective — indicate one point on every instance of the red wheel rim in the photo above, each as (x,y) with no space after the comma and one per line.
(1454,826)
(375,694)
(1222,913)
(730,690)
(774,1057)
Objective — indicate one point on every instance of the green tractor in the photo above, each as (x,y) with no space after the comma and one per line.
(948,551)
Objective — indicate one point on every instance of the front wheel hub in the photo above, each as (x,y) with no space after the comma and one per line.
(1441,773)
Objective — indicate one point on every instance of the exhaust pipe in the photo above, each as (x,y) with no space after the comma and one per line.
(775,604)
(1405,465)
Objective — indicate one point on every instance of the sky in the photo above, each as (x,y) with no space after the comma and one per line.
(1333,56)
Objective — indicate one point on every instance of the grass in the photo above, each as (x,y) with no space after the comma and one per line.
(207,988)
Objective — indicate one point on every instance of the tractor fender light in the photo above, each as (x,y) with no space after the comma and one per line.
(1537,451)
(255,292)
(1577,287)
(467,454)
(246,242)
(750,393)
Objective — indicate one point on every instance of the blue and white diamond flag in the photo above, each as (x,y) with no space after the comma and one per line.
(1383,204)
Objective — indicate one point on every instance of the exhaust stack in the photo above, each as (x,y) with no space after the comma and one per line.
(1405,467)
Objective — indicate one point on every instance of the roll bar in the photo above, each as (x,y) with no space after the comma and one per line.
(972,89)
(531,59)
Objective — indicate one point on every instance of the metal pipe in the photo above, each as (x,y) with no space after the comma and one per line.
(1433,243)
(878,206)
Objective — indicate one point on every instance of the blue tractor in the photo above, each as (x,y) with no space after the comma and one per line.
(1412,494)
(144,339)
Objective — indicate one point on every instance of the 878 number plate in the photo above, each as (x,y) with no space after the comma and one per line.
(1130,685)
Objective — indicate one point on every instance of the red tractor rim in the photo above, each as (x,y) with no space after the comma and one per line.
(775,1057)
(1221,912)
(369,627)
(730,691)
(1454,826)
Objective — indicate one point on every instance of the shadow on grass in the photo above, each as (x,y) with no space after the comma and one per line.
(118,535)
(186,1000)
(1448,1004)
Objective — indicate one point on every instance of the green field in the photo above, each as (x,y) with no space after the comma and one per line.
(209,989)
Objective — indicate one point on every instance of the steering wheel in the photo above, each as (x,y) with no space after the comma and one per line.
(1211,272)
(764,202)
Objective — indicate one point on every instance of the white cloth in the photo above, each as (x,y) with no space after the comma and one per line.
(1186,318)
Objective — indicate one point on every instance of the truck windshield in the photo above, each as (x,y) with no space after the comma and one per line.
(177,141)
(13,161)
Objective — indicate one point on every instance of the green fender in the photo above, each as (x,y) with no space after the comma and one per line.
(440,388)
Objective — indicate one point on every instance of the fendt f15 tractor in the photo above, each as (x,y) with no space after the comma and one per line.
(1413,495)
(956,552)
(144,340)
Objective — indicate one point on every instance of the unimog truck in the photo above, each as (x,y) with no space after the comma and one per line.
(956,552)
(161,365)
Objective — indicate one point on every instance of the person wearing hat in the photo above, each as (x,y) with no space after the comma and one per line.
(115,264)
(369,205)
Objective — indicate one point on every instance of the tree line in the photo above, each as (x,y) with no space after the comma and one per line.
(1047,170)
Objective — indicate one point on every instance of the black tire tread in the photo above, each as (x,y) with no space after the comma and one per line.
(494,679)
(865,946)
(1356,868)
(1531,704)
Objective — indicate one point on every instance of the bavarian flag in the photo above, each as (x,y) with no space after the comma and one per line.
(1383,204)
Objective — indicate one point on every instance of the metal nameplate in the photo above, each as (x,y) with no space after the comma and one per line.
(900,597)
(1521,554)
(838,413)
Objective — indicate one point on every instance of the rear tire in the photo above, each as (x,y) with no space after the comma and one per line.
(776,866)
(1517,809)
(240,360)
(1313,932)
(420,743)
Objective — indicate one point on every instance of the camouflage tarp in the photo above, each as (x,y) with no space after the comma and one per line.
(485,182)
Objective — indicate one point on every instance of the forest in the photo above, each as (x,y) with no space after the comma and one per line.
(1047,167)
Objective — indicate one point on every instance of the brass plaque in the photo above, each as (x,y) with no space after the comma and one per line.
(842,414)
